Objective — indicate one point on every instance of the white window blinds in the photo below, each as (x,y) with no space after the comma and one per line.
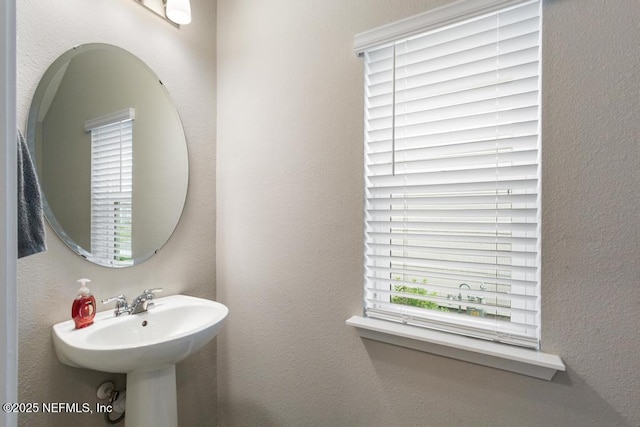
(111,191)
(452,163)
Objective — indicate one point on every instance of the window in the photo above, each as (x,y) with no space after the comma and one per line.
(452,159)
(112,188)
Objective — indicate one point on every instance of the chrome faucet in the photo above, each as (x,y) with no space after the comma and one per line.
(144,302)
(140,304)
(461,285)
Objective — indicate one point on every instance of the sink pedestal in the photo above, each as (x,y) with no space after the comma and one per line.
(151,398)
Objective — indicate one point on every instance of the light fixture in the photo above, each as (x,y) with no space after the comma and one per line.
(175,12)
(179,11)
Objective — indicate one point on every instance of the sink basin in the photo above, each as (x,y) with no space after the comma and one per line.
(146,347)
(176,327)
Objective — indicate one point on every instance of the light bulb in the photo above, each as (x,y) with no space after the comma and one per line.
(179,11)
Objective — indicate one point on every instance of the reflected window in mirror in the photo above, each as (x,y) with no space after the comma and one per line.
(112,187)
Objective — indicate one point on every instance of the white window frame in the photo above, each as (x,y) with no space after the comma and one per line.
(112,188)
(8,215)
(402,330)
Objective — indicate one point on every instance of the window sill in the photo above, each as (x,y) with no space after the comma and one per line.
(501,356)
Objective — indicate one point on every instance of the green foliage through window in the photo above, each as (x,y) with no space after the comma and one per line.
(415,302)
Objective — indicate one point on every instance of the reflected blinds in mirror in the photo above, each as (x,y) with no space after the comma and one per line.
(452,177)
(111,191)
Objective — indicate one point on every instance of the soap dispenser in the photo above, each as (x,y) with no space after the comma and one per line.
(83,309)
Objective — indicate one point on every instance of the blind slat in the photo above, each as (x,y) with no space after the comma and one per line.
(388,273)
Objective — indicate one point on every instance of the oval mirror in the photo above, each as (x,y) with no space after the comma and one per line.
(110,153)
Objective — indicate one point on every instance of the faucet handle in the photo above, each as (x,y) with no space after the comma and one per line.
(151,292)
(122,306)
(119,298)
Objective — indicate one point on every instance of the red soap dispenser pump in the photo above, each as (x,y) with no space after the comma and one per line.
(83,309)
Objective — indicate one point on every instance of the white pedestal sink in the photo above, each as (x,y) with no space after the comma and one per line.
(146,347)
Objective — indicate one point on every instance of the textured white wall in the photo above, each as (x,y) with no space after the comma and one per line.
(185,61)
(289,233)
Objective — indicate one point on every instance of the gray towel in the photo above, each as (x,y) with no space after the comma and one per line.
(31,238)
